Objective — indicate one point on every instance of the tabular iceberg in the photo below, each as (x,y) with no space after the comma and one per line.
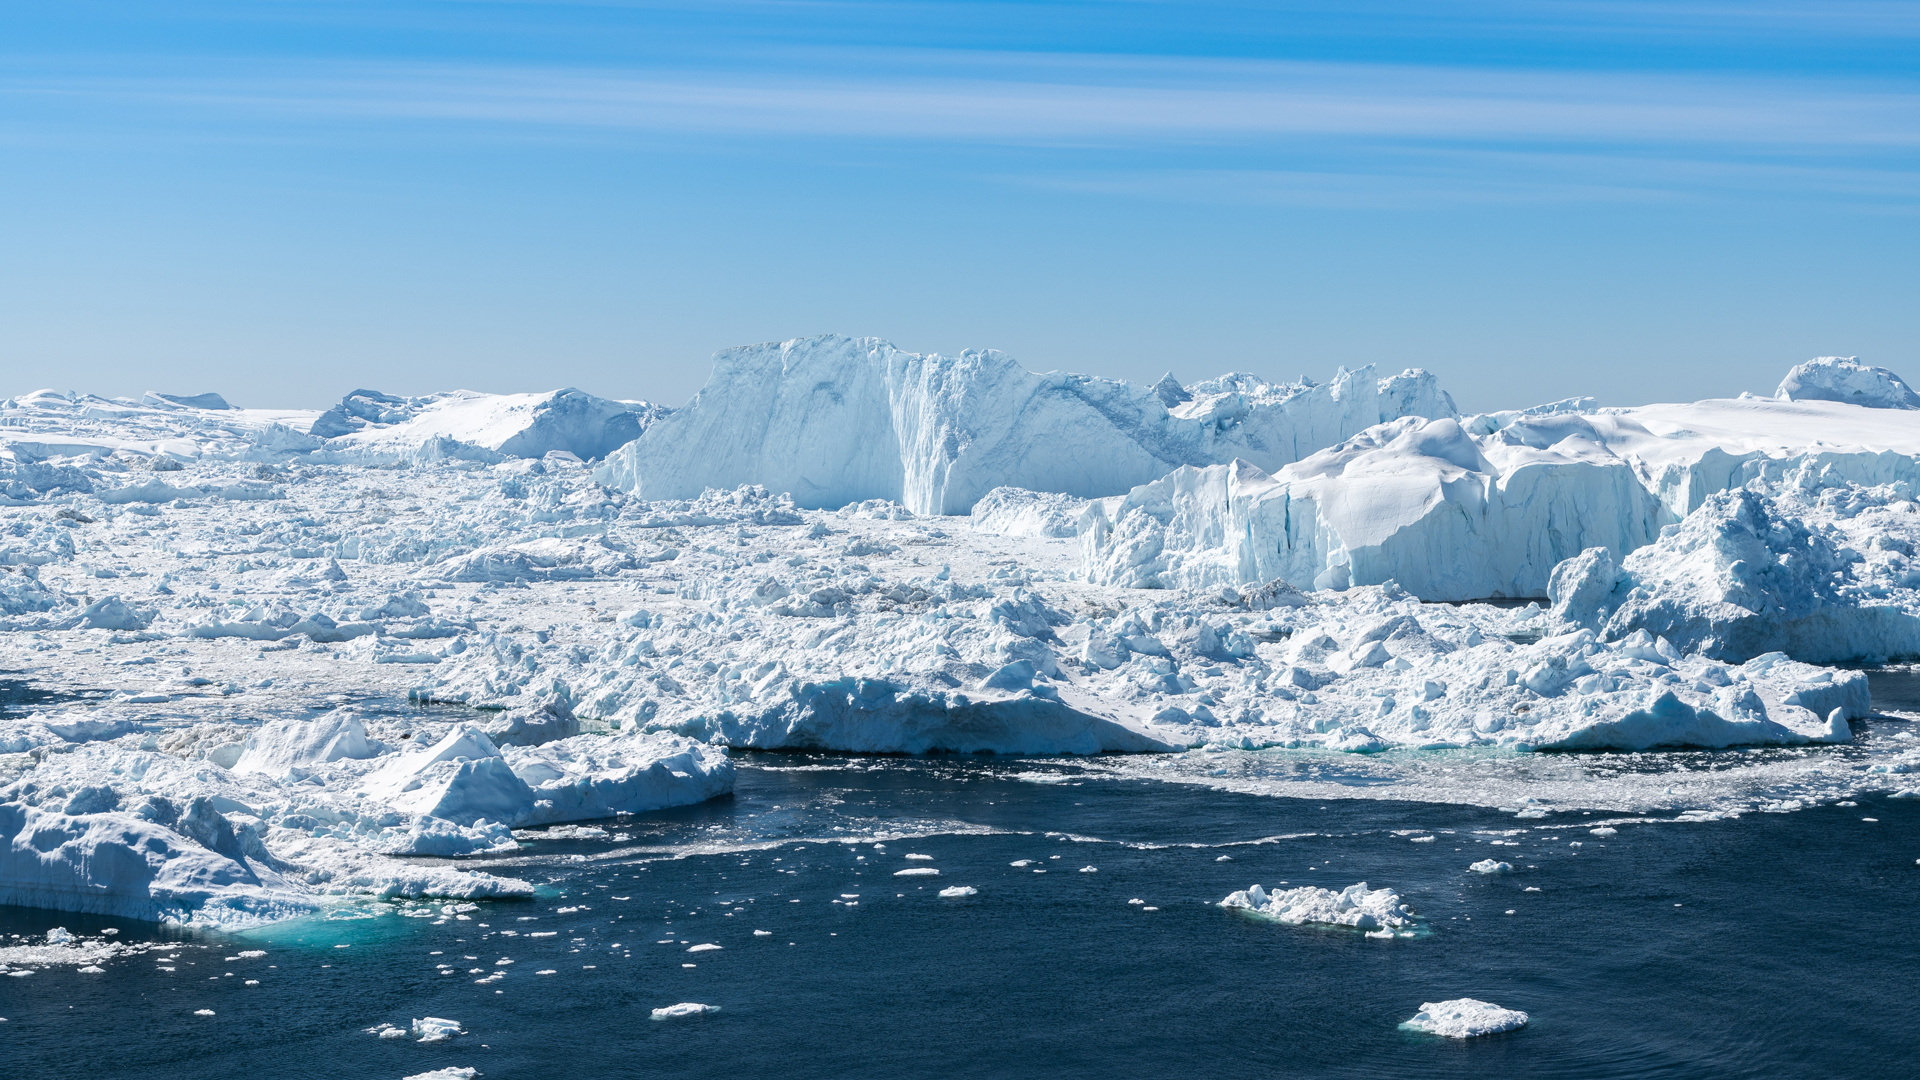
(837,420)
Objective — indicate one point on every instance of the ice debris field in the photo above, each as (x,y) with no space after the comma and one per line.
(259,658)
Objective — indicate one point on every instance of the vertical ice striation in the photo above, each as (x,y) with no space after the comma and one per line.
(837,420)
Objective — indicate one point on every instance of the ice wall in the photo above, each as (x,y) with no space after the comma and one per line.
(1482,507)
(837,420)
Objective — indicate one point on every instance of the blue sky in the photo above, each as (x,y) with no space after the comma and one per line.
(283,201)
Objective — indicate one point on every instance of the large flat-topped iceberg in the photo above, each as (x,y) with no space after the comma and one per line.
(837,420)
(1484,507)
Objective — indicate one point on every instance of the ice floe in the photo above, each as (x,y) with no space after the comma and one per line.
(1464,1018)
(1354,906)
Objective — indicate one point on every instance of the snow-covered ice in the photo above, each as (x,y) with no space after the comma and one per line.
(836,420)
(1464,1018)
(235,603)
(435,1029)
(1355,906)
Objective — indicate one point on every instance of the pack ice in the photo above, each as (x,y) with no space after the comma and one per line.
(283,655)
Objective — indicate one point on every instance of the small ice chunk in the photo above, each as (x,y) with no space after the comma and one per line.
(546,971)
(917,871)
(1604,830)
(706,946)
(763,933)
(1136,900)
(451,1072)
(685,1008)
(919,858)
(955,891)
(1490,866)
(435,1029)
(1224,858)
(1463,1018)
(1021,862)
(1356,906)
(203,1012)
(1423,839)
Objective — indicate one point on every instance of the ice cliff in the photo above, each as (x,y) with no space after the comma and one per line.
(837,420)
(1485,506)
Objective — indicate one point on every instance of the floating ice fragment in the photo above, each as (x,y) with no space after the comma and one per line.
(435,1029)
(546,971)
(1490,866)
(1356,906)
(203,1012)
(763,933)
(1424,839)
(1089,869)
(1136,900)
(917,871)
(1463,1018)
(955,891)
(451,1072)
(685,1008)
(704,947)
(927,858)
(1021,862)
(1604,830)
(1224,858)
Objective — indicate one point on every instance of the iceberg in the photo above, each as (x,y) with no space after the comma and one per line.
(1465,1018)
(1355,906)
(838,420)
(1844,378)
(370,427)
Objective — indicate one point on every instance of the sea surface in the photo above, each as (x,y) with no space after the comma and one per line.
(1767,945)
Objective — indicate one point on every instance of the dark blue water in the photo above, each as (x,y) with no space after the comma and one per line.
(1777,945)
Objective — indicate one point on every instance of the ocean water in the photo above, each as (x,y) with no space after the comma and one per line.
(1769,945)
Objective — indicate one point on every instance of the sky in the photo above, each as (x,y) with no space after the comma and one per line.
(282,201)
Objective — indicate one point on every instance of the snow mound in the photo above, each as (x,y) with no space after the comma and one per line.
(1843,378)
(1464,1018)
(1011,511)
(289,748)
(1355,906)
(837,420)
(369,427)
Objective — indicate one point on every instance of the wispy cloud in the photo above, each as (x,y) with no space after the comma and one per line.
(1838,132)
